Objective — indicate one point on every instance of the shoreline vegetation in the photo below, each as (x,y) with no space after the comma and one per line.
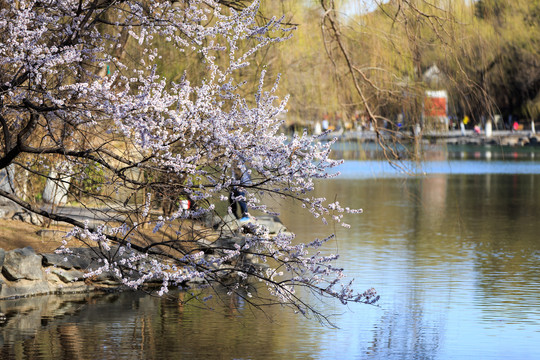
(30,266)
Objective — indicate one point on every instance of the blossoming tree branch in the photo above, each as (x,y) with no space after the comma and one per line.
(115,134)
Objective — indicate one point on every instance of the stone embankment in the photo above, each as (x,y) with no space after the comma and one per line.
(27,273)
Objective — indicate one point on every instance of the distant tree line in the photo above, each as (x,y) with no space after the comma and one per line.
(487,52)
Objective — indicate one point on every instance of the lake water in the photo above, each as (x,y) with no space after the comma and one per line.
(454,254)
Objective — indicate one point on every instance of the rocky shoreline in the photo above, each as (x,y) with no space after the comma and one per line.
(26,273)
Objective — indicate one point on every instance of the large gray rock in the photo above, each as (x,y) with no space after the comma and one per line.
(58,260)
(78,258)
(230,242)
(68,276)
(7,182)
(4,213)
(23,287)
(25,273)
(272,223)
(28,217)
(22,264)
(225,223)
(8,208)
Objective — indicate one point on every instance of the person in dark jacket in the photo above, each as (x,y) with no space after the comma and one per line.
(237,197)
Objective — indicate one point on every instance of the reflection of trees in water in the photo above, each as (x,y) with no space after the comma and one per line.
(501,215)
(359,150)
(406,333)
(464,237)
(448,223)
(410,328)
(136,325)
(496,216)
(45,326)
(507,251)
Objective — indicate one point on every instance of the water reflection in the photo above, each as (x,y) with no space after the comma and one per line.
(354,169)
(136,325)
(351,150)
(455,258)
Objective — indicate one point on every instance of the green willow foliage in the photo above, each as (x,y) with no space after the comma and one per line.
(488,52)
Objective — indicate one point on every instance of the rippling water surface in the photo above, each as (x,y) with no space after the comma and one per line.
(454,254)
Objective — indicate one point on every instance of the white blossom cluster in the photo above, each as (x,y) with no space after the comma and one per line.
(66,91)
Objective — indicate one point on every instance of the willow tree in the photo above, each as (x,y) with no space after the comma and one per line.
(508,69)
(487,51)
(73,107)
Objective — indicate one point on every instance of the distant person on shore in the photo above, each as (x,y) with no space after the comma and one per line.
(463,124)
(237,197)
(325,125)
(466,120)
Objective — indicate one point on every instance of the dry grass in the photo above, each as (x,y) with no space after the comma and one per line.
(17,234)
(174,239)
